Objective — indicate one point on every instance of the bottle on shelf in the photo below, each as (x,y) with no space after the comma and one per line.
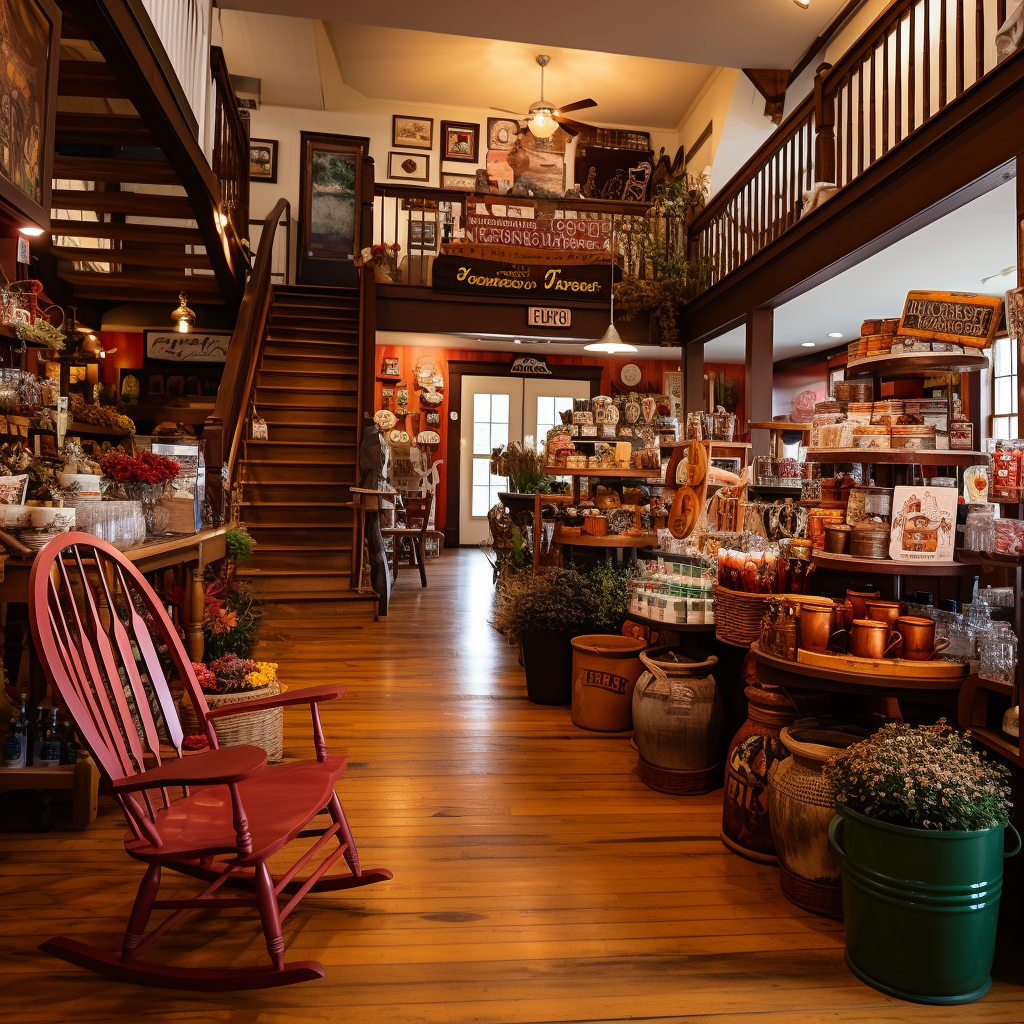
(36,733)
(15,746)
(49,745)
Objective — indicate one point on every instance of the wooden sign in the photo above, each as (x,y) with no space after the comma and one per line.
(570,234)
(548,316)
(959,317)
(526,280)
(530,366)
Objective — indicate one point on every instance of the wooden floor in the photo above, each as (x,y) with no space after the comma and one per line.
(536,878)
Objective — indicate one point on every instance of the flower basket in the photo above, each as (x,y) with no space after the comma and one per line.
(738,616)
(258,728)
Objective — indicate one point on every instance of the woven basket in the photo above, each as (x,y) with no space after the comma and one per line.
(596,526)
(738,616)
(258,728)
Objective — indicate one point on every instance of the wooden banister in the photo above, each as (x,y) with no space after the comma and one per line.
(225,429)
(230,148)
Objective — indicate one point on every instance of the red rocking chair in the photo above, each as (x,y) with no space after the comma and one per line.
(218,815)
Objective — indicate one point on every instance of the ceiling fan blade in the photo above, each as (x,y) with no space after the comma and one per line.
(514,113)
(578,105)
(571,126)
(567,127)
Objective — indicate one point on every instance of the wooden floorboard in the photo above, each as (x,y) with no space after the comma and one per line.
(536,878)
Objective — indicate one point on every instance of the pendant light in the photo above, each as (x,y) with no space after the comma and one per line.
(610,341)
(183,316)
(542,123)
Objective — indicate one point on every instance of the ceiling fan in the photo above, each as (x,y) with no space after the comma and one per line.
(543,118)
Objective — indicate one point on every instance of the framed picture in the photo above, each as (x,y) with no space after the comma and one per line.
(409,166)
(197,347)
(501,133)
(460,141)
(923,524)
(263,160)
(29,54)
(330,196)
(423,235)
(544,170)
(464,182)
(427,205)
(412,132)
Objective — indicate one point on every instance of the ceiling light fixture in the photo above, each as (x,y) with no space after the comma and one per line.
(542,123)
(802,4)
(31,231)
(183,316)
(516,341)
(610,341)
(835,334)
(807,344)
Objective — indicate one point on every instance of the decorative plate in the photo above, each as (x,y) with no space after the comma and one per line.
(631,375)
(385,419)
(431,398)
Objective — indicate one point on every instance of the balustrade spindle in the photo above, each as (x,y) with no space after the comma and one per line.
(926,84)
(959,47)
(943,54)
(912,72)
(885,94)
(979,40)
(898,84)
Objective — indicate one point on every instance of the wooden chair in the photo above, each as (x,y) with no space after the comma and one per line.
(218,815)
(417,516)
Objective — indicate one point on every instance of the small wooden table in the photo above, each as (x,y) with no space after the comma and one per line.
(82,779)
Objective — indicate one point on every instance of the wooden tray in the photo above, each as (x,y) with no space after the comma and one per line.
(893,668)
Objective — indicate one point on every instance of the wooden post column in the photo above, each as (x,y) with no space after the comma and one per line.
(757,380)
(693,380)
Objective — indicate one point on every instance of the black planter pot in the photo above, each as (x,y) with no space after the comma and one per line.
(547,658)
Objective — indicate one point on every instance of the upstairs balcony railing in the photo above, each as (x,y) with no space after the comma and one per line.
(420,220)
(917,57)
(230,147)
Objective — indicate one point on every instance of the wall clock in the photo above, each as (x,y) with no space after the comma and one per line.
(630,375)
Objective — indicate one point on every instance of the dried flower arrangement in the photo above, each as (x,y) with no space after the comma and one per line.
(231,674)
(925,777)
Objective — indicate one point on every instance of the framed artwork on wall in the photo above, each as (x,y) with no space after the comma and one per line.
(412,132)
(263,160)
(463,182)
(330,197)
(194,347)
(423,235)
(501,133)
(29,54)
(409,166)
(460,140)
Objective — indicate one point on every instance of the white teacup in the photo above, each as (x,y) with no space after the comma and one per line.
(53,520)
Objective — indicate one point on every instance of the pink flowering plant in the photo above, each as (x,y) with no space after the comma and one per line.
(925,777)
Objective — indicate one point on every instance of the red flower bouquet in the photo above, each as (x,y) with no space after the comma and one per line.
(143,477)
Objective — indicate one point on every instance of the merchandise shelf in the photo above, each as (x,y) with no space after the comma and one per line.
(899,456)
(916,364)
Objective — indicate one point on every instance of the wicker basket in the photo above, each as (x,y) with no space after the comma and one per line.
(596,526)
(258,728)
(738,616)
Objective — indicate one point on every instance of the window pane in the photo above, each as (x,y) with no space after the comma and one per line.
(481,408)
(1013,387)
(1003,402)
(481,439)
(545,410)
(481,501)
(499,435)
(499,408)
(1002,357)
(481,472)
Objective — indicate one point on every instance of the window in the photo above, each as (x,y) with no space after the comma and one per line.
(548,410)
(490,431)
(1004,389)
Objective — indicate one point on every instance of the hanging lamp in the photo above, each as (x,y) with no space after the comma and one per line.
(183,316)
(611,343)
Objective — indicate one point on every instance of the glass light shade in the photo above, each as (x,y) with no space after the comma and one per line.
(610,342)
(541,124)
(183,317)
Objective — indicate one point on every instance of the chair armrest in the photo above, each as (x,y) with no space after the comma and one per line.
(309,695)
(208,768)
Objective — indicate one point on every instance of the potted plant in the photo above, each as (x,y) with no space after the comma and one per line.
(919,832)
(542,614)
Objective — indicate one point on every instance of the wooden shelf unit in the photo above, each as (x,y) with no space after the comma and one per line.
(900,456)
(609,540)
(890,566)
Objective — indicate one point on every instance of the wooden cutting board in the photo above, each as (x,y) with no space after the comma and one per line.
(892,667)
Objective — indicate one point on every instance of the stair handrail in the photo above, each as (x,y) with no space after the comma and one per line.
(242,361)
(230,147)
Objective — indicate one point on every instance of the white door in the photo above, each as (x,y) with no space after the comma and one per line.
(543,400)
(492,415)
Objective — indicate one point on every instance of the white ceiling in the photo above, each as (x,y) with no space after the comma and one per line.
(456,70)
(525,346)
(951,254)
(738,33)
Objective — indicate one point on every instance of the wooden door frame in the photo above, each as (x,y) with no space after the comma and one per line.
(457,369)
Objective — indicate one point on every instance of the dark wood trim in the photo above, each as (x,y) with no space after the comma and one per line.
(459,368)
(835,26)
(966,150)
(693,378)
(771,83)
(810,358)
(24,207)
(701,139)
(757,382)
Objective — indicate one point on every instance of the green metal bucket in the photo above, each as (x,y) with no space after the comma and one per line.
(920,907)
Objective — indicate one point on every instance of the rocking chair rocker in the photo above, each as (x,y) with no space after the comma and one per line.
(97,625)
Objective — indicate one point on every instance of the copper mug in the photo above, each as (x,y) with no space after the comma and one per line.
(884,611)
(856,600)
(919,638)
(817,624)
(870,638)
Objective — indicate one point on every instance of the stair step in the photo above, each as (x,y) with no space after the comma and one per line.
(300,336)
(284,491)
(315,291)
(150,257)
(115,172)
(299,415)
(305,399)
(289,533)
(301,561)
(142,233)
(322,363)
(337,383)
(103,129)
(87,78)
(312,433)
(131,204)
(312,349)
(299,585)
(296,474)
(289,516)
(130,286)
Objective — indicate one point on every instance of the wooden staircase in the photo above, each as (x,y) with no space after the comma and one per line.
(295,485)
(137,213)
